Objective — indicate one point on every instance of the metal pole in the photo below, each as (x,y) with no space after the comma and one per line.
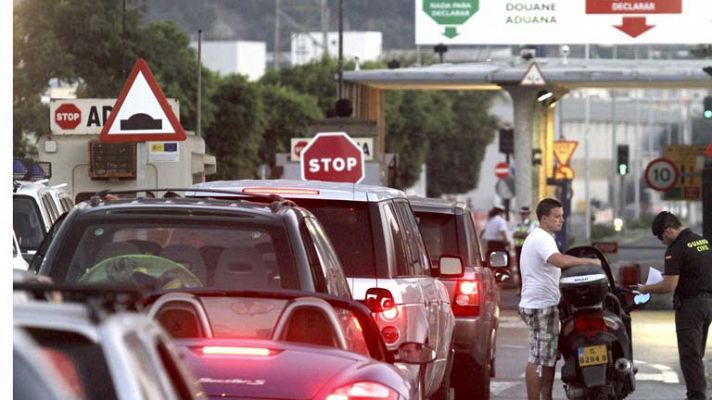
(275,51)
(123,37)
(587,161)
(325,28)
(200,84)
(341,49)
(614,143)
(636,158)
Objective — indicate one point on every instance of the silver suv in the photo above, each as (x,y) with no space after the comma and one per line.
(35,207)
(103,354)
(377,239)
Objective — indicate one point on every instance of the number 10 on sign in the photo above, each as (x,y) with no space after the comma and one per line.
(662,174)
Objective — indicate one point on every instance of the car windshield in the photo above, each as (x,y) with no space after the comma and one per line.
(27,222)
(349,228)
(439,234)
(169,255)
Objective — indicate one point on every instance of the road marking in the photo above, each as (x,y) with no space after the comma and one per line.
(514,346)
(667,374)
(497,387)
(513,321)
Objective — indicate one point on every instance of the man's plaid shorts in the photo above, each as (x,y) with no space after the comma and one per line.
(543,326)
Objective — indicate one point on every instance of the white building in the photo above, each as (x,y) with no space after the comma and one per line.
(307,47)
(234,57)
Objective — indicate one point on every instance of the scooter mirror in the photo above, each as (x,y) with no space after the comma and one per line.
(641,298)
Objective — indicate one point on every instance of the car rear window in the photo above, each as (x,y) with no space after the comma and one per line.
(165,254)
(349,228)
(243,318)
(27,222)
(439,234)
(78,360)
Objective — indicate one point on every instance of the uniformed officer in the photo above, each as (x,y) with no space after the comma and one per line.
(688,271)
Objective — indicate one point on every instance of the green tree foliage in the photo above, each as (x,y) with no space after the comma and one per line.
(175,66)
(315,78)
(288,114)
(83,41)
(456,154)
(412,119)
(48,42)
(235,135)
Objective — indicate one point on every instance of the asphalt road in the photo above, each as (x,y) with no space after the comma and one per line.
(654,348)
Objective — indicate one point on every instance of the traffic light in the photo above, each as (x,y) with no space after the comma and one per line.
(707,111)
(623,159)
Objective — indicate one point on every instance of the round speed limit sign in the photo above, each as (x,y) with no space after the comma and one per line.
(661,174)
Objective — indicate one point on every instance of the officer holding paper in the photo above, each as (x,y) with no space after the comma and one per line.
(688,272)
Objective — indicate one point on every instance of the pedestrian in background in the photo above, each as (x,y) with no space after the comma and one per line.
(495,234)
(688,272)
(524,227)
(540,267)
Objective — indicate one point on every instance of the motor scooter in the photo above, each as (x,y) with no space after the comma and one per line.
(595,339)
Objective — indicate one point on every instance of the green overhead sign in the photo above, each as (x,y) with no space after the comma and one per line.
(451,13)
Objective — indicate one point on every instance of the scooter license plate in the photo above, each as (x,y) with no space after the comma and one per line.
(592,355)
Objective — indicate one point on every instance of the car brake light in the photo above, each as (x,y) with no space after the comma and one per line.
(390,334)
(467,298)
(236,351)
(363,390)
(287,191)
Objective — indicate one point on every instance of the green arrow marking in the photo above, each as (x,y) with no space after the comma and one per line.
(450,31)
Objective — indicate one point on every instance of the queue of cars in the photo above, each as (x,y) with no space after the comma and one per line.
(253,279)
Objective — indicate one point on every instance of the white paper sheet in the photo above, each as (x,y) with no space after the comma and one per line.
(654,276)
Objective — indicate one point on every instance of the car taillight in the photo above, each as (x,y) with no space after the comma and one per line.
(590,323)
(390,334)
(363,390)
(236,351)
(280,191)
(467,298)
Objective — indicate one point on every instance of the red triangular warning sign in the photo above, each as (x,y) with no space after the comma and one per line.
(141,112)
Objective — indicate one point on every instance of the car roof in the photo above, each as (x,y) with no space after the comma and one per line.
(241,206)
(71,317)
(326,190)
(437,205)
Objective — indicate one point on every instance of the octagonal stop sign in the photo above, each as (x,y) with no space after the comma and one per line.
(333,157)
(67,116)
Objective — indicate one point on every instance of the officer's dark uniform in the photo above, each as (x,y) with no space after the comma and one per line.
(690,257)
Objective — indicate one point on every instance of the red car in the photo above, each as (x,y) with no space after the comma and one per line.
(285,345)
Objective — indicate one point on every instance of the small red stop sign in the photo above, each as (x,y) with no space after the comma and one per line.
(67,116)
(333,157)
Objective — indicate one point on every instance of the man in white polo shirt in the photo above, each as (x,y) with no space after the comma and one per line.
(540,267)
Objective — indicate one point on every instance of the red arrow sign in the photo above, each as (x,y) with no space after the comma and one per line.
(633,7)
(634,26)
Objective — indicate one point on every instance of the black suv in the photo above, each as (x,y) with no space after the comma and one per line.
(175,242)
(448,230)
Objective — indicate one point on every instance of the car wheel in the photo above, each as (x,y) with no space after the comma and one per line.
(477,387)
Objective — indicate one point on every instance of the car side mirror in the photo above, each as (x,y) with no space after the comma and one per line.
(451,266)
(641,299)
(379,299)
(498,259)
(415,353)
